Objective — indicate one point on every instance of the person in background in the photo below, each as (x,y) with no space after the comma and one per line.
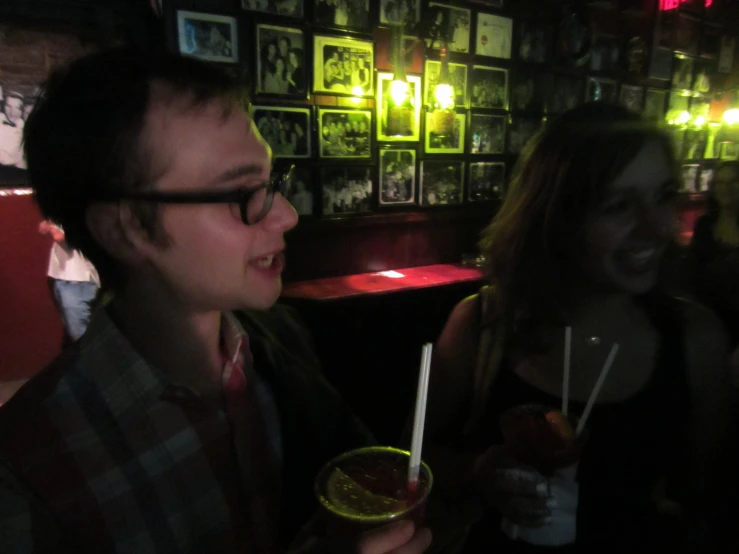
(75,282)
(714,249)
(579,241)
(168,427)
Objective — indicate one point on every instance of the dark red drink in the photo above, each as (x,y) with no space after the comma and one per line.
(367,488)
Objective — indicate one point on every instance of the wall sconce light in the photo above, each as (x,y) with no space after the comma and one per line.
(400,101)
(443,118)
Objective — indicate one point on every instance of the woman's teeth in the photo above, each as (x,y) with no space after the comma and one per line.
(265,262)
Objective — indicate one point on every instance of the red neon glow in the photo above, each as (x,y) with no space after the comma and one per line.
(666,5)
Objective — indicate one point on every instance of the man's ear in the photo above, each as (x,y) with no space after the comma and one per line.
(118,231)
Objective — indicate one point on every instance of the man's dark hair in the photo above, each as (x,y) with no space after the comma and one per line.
(84,136)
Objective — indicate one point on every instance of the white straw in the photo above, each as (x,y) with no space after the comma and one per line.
(596,388)
(419,418)
(566,370)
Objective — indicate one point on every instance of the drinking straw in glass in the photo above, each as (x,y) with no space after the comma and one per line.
(419,417)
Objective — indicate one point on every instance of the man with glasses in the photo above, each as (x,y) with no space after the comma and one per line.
(166,428)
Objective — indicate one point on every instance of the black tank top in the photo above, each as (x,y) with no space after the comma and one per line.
(631,446)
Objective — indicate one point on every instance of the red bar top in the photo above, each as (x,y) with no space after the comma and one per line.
(383,282)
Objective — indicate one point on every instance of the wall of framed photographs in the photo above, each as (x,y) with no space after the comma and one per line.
(321,70)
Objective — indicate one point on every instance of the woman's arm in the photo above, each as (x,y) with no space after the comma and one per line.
(710,476)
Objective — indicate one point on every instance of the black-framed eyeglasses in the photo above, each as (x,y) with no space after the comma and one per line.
(254,203)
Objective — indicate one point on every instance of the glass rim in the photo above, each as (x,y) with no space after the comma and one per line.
(384,518)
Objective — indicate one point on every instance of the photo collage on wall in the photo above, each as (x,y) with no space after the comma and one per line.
(323,96)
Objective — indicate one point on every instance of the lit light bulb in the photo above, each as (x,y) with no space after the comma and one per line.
(731,117)
(399,91)
(358,91)
(444,95)
(699,121)
(683,118)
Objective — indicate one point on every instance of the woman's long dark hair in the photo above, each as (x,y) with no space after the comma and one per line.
(533,243)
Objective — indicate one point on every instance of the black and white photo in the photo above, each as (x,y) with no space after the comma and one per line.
(457,78)
(690,177)
(654,104)
(494,36)
(300,194)
(450,22)
(605,54)
(287,8)
(535,38)
(344,14)
(397,176)
(281,61)
(400,11)
(345,133)
(632,97)
(705,178)
(209,37)
(346,189)
(487,134)
(489,87)
(486,181)
(344,66)
(729,151)
(441,183)
(286,130)
(448,142)
(14,109)
(682,72)
(565,94)
(660,64)
(529,90)
(398,123)
(521,130)
(602,90)
(726,53)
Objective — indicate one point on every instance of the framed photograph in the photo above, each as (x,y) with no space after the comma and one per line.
(682,72)
(529,90)
(343,66)
(413,48)
(286,130)
(15,105)
(406,11)
(447,143)
(487,181)
(345,133)
(489,87)
(565,94)
(632,97)
(602,90)
(690,177)
(441,183)
(287,8)
(209,37)
(535,41)
(522,129)
(343,14)
(281,61)
(705,178)
(494,36)
(687,35)
(453,22)
(346,189)
(457,78)
(397,177)
(702,76)
(605,55)
(487,133)
(654,104)
(694,147)
(300,194)
(394,123)
(489,3)
(726,54)
(660,64)
(729,151)
(711,41)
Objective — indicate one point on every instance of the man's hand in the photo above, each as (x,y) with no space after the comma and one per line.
(46,227)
